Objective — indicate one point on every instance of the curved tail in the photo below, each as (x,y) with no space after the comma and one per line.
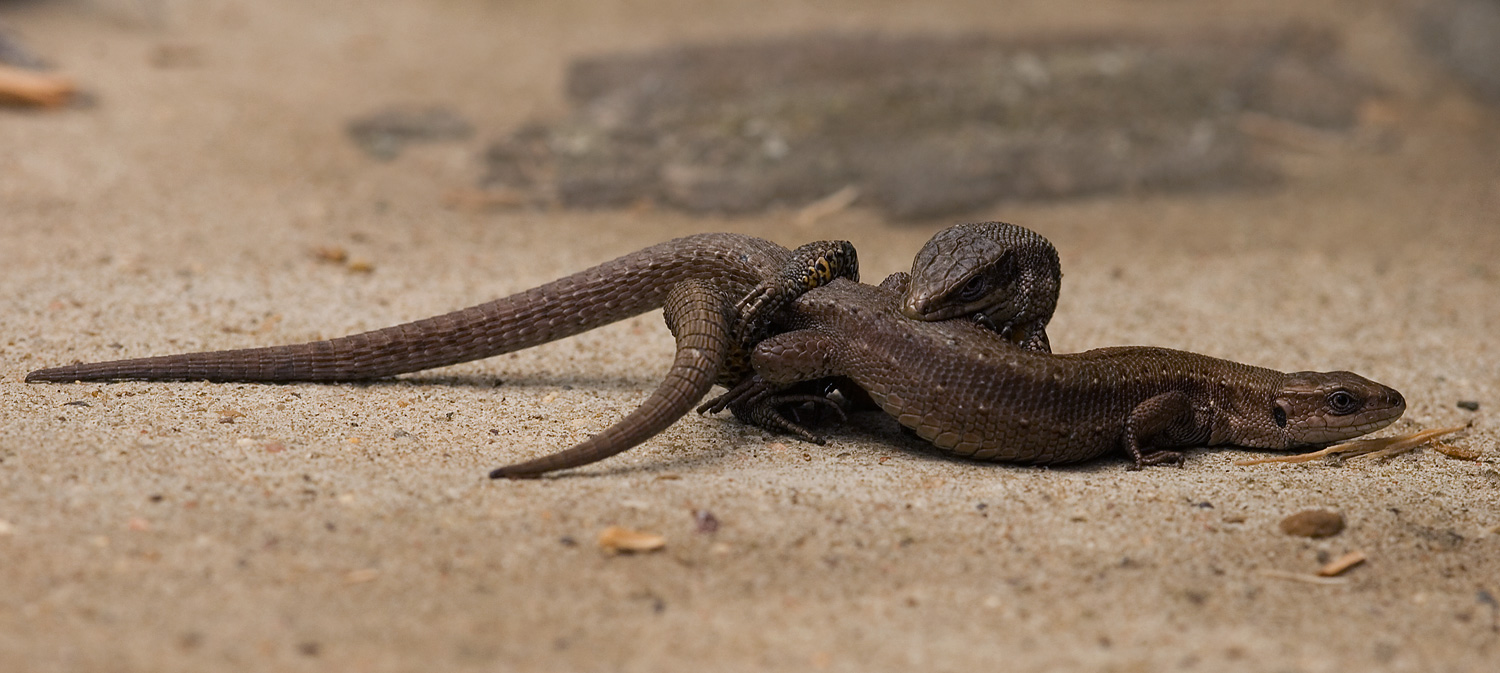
(700,316)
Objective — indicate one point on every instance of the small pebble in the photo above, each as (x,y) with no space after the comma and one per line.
(1471,405)
(705,521)
(1313,523)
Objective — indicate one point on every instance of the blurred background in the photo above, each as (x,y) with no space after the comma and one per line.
(1298,184)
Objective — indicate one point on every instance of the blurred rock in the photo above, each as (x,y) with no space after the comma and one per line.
(1465,36)
(385,133)
(923,126)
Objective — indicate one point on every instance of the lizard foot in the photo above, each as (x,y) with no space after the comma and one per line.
(760,404)
(746,392)
(1158,458)
(767,413)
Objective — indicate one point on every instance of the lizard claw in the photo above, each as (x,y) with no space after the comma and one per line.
(743,394)
(753,321)
(766,413)
(1158,458)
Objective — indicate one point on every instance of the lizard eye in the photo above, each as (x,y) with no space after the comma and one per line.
(1341,402)
(973,290)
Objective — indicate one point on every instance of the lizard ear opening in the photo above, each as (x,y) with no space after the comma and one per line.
(1278,414)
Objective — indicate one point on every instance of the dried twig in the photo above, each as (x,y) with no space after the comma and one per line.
(1383,447)
(1303,577)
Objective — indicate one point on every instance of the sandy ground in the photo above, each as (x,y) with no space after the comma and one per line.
(350,527)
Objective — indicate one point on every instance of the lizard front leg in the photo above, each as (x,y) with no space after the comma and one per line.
(810,266)
(1152,419)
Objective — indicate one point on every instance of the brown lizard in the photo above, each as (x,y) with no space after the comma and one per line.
(1005,277)
(972,395)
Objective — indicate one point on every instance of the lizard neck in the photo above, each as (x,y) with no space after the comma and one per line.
(1240,413)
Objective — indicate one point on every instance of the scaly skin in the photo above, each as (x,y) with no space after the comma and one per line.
(709,333)
(972,395)
(615,290)
(699,313)
(1005,277)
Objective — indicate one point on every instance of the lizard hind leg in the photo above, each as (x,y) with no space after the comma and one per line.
(759,403)
(772,413)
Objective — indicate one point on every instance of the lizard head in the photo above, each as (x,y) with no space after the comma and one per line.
(1324,407)
(1004,276)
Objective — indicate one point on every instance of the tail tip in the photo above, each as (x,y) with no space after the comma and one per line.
(40,376)
(512,474)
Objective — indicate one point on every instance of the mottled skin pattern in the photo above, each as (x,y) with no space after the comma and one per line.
(972,395)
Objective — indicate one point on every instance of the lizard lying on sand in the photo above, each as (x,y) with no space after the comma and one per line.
(972,395)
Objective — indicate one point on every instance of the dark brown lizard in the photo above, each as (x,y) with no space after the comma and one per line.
(975,396)
(763,277)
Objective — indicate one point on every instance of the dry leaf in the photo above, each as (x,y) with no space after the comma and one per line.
(618,539)
(1313,523)
(1459,452)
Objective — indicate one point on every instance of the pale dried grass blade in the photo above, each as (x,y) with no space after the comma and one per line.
(1381,447)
